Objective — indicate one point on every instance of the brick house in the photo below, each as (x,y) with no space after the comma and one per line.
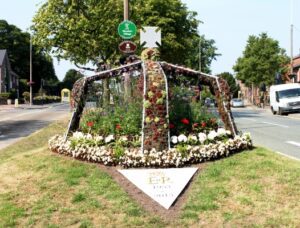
(296,71)
(8,79)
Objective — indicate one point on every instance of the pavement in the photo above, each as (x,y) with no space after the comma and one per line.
(27,106)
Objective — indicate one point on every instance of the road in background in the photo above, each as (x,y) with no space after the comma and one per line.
(279,133)
(16,123)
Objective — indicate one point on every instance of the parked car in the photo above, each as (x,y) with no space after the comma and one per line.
(209,102)
(237,102)
(285,98)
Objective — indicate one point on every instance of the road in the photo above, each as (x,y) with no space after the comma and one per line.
(17,123)
(279,133)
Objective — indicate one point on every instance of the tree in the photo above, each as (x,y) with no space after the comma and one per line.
(234,87)
(261,60)
(86,30)
(70,78)
(17,44)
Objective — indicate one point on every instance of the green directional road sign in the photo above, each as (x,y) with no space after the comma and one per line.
(127,30)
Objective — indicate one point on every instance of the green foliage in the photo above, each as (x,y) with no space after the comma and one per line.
(13,94)
(119,151)
(46,99)
(261,59)
(234,87)
(70,78)
(4,95)
(182,106)
(78,198)
(117,120)
(26,96)
(82,31)
(10,213)
(182,149)
(17,44)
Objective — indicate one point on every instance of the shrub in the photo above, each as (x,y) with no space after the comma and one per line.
(4,96)
(13,94)
(26,96)
(45,99)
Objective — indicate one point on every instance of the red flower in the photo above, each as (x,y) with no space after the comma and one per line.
(118,126)
(90,123)
(203,124)
(195,125)
(171,126)
(185,121)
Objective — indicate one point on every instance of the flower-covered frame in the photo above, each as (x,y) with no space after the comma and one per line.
(156,75)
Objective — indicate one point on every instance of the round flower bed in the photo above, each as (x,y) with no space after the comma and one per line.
(126,151)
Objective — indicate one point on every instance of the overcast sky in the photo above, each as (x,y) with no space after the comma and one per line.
(228,22)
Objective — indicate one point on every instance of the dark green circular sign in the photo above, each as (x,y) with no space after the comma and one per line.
(127,30)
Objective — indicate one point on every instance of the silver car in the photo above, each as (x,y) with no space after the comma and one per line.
(237,102)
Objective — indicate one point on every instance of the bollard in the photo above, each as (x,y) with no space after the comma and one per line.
(16,103)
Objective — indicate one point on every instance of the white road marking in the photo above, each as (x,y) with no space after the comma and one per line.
(293,143)
(275,124)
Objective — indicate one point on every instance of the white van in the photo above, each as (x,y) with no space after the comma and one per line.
(285,98)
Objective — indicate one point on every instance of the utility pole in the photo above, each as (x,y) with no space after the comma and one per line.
(126,10)
(127,82)
(291,36)
(200,53)
(30,81)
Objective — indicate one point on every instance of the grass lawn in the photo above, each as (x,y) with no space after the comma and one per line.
(40,189)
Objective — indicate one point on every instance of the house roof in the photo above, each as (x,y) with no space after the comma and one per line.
(296,61)
(2,56)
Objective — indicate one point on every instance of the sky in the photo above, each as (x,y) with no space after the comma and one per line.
(228,22)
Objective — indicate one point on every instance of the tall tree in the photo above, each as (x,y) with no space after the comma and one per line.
(17,43)
(86,30)
(234,87)
(70,78)
(261,60)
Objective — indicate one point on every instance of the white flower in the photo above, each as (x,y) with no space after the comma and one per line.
(99,138)
(228,132)
(174,139)
(212,135)
(88,136)
(221,131)
(192,138)
(109,138)
(182,138)
(123,139)
(202,137)
(78,135)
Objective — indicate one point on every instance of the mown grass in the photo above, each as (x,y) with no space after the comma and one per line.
(40,189)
